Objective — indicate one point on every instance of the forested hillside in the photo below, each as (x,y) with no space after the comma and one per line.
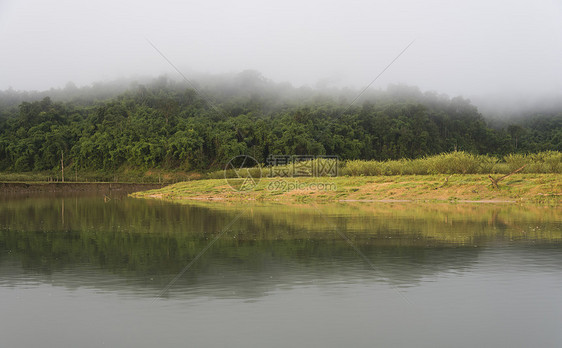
(171,125)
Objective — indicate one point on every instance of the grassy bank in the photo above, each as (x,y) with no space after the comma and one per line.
(123,175)
(537,188)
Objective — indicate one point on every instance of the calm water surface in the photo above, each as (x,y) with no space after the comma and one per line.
(81,271)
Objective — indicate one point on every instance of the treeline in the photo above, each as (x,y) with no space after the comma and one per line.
(168,125)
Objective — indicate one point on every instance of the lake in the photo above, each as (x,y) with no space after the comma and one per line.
(86,270)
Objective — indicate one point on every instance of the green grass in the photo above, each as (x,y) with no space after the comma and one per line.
(549,162)
(535,188)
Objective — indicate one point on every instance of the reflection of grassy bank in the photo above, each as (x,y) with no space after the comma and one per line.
(518,187)
(153,238)
(405,223)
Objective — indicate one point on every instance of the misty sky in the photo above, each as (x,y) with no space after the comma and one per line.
(467,48)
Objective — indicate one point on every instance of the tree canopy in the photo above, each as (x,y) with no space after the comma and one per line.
(169,125)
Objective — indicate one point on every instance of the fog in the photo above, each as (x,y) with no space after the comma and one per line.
(472,48)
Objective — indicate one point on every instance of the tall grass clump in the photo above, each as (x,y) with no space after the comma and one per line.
(391,167)
(516,160)
(552,161)
(455,163)
(358,168)
(447,163)
(542,162)
(458,163)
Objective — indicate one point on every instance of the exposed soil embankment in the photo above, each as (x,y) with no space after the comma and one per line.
(17,187)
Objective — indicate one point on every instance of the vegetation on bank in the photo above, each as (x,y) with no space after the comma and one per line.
(123,175)
(549,162)
(170,127)
(446,163)
(459,163)
(538,188)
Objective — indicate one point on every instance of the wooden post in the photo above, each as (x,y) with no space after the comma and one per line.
(62,164)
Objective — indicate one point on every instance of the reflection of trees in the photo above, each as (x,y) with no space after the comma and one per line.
(148,242)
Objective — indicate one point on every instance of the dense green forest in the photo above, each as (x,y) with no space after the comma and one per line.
(171,125)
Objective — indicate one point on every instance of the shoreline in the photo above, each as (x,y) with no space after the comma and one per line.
(37,187)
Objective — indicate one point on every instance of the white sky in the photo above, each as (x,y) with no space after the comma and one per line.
(469,47)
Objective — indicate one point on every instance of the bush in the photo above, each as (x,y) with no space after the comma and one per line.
(516,161)
(543,162)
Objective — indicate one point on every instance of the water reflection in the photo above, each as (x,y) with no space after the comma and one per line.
(138,246)
(84,270)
